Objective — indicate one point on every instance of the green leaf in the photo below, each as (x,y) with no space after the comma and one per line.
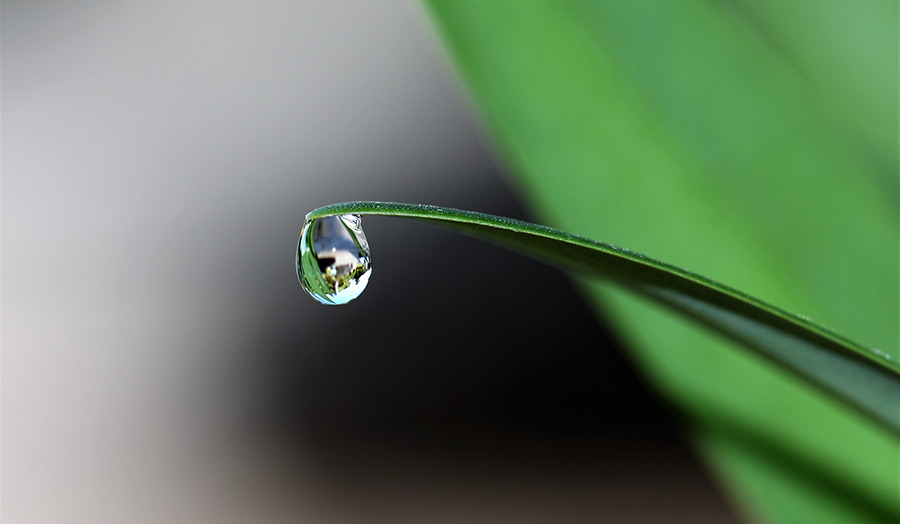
(752,141)
(864,378)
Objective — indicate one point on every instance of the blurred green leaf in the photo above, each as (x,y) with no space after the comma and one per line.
(753,142)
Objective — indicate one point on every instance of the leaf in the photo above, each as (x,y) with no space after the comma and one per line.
(862,377)
(720,136)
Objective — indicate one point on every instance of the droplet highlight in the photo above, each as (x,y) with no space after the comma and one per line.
(333,261)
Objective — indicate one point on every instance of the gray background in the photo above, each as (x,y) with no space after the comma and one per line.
(159,360)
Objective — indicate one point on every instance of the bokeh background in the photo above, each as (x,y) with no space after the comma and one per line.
(160,362)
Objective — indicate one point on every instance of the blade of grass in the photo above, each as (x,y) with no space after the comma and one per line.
(863,377)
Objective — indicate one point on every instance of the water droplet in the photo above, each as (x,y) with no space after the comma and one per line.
(882,354)
(333,262)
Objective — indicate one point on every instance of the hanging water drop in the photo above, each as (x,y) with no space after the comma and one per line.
(333,262)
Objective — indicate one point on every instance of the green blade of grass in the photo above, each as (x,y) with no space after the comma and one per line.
(863,377)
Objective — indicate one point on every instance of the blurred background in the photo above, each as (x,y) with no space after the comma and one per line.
(160,362)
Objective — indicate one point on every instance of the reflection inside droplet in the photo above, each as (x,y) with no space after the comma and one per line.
(333,262)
